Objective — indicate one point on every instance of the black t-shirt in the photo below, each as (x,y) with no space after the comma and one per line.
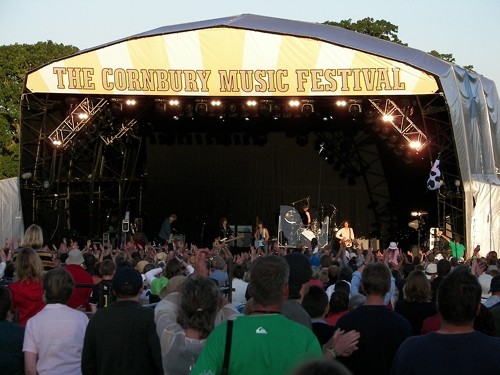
(415,313)
(102,294)
(382,332)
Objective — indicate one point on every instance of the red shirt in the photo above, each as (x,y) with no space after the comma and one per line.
(27,298)
(431,324)
(332,319)
(80,296)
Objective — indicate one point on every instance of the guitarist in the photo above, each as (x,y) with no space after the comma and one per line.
(346,234)
(225,233)
(261,235)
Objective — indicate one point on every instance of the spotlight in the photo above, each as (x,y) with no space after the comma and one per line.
(388,118)
(355,109)
(56,142)
(251,103)
(173,102)
(416,145)
(131,102)
(293,103)
(216,103)
(83,116)
(201,109)
(232,110)
(307,109)
(340,103)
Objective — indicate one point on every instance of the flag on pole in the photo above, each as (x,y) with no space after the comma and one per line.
(434,181)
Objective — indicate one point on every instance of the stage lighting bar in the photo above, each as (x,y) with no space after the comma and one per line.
(124,129)
(81,115)
(396,117)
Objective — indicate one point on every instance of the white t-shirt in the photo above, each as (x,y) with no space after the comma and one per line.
(56,334)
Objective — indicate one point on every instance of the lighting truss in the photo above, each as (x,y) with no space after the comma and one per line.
(81,115)
(124,129)
(403,125)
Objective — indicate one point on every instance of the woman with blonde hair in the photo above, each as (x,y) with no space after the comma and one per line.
(27,291)
(185,317)
(33,237)
(416,304)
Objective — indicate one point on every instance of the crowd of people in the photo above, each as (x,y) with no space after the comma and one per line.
(176,309)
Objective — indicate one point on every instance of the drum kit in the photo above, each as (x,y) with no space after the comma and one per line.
(293,231)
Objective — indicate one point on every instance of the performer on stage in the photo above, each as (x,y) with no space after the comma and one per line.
(456,246)
(261,236)
(346,234)
(306,216)
(225,233)
(166,228)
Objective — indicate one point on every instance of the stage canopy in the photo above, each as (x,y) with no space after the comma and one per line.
(222,68)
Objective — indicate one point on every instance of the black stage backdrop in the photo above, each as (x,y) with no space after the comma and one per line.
(202,183)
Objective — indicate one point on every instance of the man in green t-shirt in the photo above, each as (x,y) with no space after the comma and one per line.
(457,248)
(264,342)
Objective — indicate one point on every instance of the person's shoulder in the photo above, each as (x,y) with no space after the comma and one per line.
(491,341)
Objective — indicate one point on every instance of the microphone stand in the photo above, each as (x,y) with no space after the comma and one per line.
(202,234)
(300,200)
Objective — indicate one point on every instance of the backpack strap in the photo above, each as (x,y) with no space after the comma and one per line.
(227,351)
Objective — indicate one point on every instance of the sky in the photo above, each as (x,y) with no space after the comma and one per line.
(467,29)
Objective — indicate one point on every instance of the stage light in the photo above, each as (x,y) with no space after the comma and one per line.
(201,109)
(400,121)
(251,103)
(56,142)
(26,175)
(387,118)
(130,102)
(277,112)
(355,109)
(232,110)
(416,145)
(82,116)
(307,109)
(293,103)
(266,108)
(415,224)
(216,103)
(173,102)
(341,103)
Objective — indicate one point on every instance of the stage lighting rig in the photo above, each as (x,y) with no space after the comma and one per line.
(80,115)
(397,118)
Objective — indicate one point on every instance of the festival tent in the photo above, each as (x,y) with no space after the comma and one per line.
(251,56)
(11,229)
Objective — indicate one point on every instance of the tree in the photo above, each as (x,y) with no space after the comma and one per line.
(385,30)
(449,57)
(15,61)
(443,56)
(381,29)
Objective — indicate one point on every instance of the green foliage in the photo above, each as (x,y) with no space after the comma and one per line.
(381,29)
(443,56)
(15,61)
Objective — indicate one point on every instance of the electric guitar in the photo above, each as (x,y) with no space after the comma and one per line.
(346,242)
(224,241)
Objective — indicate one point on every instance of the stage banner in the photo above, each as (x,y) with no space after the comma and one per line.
(228,62)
